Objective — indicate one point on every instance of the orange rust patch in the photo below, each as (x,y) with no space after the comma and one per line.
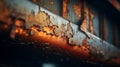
(77,9)
(81,52)
(84,42)
(65,8)
(91,21)
(34,0)
(4,12)
(84,25)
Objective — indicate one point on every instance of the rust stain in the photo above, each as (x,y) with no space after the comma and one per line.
(77,9)
(81,52)
(91,21)
(84,42)
(34,0)
(20,23)
(84,24)
(42,22)
(65,8)
(41,19)
(52,3)
(4,12)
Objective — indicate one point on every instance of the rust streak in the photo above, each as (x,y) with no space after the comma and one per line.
(4,12)
(65,8)
(91,21)
(84,24)
(77,9)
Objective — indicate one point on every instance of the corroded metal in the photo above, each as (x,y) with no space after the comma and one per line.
(91,49)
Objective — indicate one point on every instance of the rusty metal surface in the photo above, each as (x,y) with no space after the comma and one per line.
(56,6)
(99,49)
(108,24)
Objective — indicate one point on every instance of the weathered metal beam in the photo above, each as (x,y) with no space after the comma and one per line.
(93,49)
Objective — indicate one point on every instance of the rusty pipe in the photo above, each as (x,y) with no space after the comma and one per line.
(93,49)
